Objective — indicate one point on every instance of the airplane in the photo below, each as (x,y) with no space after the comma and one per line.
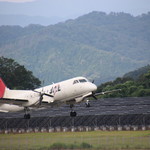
(70,91)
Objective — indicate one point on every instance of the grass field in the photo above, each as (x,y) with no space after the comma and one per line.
(93,140)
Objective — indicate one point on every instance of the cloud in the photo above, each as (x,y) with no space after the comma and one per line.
(17,1)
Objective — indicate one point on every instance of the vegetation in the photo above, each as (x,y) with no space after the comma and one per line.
(99,46)
(70,146)
(133,84)
(16,76)
(93,140)
(137,73)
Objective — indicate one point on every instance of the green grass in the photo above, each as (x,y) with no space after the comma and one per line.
(77,140)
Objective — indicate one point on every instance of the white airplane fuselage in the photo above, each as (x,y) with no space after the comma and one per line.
(69,91)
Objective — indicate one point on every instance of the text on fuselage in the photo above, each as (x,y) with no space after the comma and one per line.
(55,89)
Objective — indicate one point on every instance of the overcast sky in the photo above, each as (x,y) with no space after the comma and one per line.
(72,8)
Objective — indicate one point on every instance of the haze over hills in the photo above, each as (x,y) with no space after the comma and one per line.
(24,20)
(97,45)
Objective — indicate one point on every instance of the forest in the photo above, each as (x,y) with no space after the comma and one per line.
(132,84)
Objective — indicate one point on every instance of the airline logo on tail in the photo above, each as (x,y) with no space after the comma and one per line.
(2,88)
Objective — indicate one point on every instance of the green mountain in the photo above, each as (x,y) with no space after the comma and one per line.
(137,73)
(99,46)
(133,84)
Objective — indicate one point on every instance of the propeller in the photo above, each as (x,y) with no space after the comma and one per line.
(41,96)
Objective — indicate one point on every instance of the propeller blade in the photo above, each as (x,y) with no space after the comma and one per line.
(40,100)
(44,94)
(48,95)
(41,96)
(93,95)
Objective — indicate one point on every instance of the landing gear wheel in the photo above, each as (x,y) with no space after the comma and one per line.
(27,116)
(87,104)
(73,114)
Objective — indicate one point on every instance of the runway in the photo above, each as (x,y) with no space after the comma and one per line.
(108,106)
(103,112)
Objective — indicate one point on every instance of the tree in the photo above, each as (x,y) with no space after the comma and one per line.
(145,80)
(16,76)
(137,87)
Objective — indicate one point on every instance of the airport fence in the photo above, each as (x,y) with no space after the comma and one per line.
(80,123)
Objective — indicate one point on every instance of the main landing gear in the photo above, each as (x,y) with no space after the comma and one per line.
(72,113)
(27,114)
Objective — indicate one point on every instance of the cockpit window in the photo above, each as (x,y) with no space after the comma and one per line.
(82,80)
(75,81)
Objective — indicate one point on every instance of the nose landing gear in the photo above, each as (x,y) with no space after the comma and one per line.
(87,104)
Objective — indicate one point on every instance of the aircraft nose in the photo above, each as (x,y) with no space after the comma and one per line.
(94,87)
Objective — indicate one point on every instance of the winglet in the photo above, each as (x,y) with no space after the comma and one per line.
(2,88)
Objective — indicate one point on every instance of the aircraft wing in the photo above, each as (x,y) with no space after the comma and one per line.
(107,92)
(13,101)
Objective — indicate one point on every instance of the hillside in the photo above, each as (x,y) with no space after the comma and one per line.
(97,45)
(137,73)
(133,84)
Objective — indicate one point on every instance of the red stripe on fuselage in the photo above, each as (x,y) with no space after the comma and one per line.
(2,88)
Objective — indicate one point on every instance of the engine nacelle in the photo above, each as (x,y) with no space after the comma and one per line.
(78,100)
(47,99)
(74,101)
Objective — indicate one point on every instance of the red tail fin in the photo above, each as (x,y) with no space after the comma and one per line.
(2,88)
